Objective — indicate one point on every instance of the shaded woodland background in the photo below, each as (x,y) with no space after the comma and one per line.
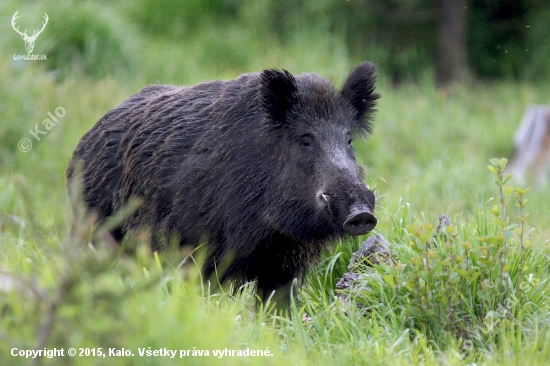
(457,40)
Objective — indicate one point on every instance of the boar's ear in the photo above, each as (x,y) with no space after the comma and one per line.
(279,93)
(358,90)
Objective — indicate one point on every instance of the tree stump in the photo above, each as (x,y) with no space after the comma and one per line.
(532,146)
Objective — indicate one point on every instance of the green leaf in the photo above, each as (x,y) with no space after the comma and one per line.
(500,222)
(389,280)
(463,273)
(507,190)
(475,275)
(424,275)
(492,169)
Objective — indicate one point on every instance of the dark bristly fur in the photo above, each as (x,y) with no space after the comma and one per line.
(238,162)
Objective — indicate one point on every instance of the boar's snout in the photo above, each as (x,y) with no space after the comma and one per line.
(360,223)
(351,208)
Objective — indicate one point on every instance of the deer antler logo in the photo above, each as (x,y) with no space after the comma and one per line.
(29,40)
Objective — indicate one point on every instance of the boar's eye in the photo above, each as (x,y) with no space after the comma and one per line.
(350,139)
(306,141)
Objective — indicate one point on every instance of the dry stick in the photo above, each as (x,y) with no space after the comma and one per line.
(47,325)
(426,290)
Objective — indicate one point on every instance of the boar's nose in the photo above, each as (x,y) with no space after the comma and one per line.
(359,223)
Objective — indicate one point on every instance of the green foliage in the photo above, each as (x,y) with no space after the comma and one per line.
(179,19)
(505,38)
(509,38)
(477,294)
(80,38)
(99,298)
(88,39)
(467,282)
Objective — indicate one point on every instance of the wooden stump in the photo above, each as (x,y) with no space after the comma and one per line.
(532,146)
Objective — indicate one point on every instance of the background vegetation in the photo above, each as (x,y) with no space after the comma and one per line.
(479,296)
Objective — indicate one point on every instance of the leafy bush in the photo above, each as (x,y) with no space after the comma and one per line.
(88,38)
(179,19)
(468,283)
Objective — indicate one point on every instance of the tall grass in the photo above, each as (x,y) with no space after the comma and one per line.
(468,298)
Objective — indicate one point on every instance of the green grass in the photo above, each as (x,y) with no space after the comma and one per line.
(428,156)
